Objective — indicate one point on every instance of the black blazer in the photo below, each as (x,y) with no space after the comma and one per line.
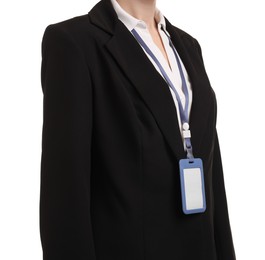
(110,187)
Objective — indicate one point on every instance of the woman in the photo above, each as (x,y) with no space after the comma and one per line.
(130,166)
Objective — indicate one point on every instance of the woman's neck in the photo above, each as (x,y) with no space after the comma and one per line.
(141,9)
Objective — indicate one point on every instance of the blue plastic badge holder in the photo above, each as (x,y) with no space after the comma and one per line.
(192,186)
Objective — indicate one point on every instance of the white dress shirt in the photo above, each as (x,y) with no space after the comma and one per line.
(140,26)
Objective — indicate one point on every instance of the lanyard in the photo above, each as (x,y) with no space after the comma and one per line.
(183,111)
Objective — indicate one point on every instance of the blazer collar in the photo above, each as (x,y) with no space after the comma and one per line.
(149,83)
(104,16)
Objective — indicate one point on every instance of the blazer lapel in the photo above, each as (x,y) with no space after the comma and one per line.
(149,84)
(202,91)
(145,78)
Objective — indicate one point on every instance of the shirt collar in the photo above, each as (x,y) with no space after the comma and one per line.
(131,22)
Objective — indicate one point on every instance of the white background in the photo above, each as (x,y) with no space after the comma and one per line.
(231,34)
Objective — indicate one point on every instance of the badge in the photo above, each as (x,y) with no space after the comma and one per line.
(192,186)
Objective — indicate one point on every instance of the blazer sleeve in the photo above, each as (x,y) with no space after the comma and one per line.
(223,236)
(65,222)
